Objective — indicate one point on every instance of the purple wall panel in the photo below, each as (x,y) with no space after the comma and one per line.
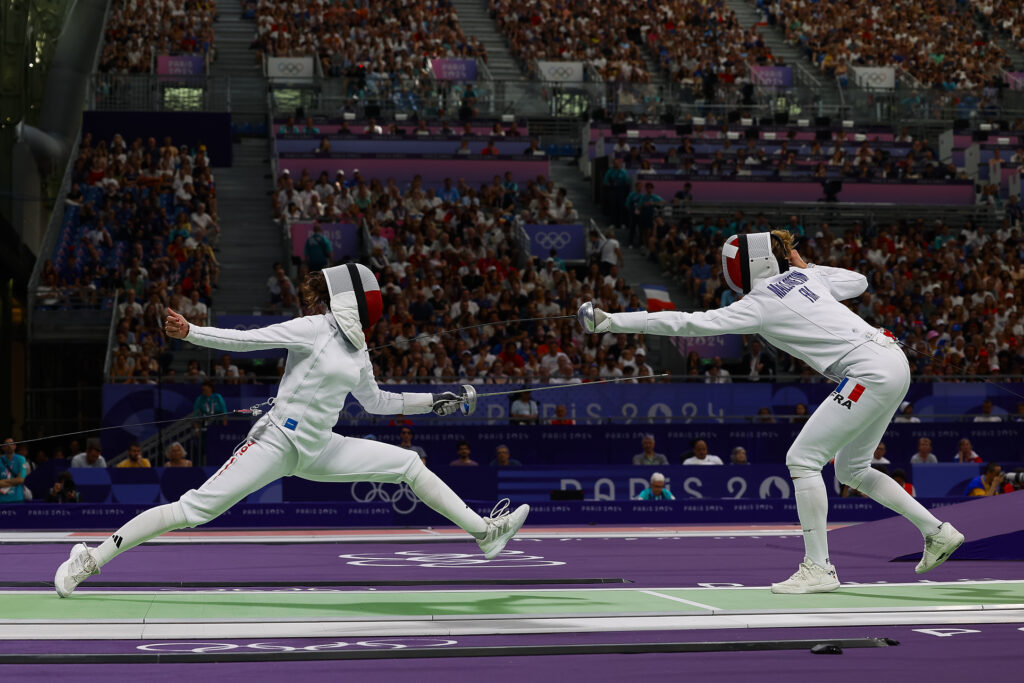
(433,170)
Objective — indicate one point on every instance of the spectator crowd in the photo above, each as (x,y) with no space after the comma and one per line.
(139,30)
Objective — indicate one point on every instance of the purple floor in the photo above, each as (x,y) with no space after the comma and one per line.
(646,562)
(990,653)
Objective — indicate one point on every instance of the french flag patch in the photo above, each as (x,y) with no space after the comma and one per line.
(855,393)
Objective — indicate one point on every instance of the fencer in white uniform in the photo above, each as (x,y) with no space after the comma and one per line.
(327,360)
(796,307)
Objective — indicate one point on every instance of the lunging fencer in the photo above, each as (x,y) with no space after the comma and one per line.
(327,360)
(796,307)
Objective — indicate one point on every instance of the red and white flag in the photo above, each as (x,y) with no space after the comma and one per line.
(657,298)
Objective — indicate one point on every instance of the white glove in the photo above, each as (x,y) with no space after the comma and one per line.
(593,319)
(446,403)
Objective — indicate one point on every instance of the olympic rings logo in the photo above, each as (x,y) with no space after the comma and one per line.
(561,73)
(201,648)
(296,68)
(417,558)
(402,499)
(552,240)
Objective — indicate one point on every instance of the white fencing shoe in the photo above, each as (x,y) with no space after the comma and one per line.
(501,526)
(938,547)
(75,570)
(809,578)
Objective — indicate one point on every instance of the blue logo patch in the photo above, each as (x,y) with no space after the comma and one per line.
(291,424)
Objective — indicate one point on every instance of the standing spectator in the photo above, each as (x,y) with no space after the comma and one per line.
(463,460)
(616,186)
(924,455)
(13,470)
(965,453)
(134,458)
(879,456)
(176,456)
(502,458)
(93,456)
(647,456)
(611,254)
(656,490)
(738,456)
(700,455)
(988,484)
(405,441)
(901,478)
(209,402)
(318,249)
(523,410)
(986,413)
(906,414)
(63,490)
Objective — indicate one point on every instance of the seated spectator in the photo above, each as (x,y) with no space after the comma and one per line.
(738,456)
(92,457)
(647,456)
(965,453)
(764,415)
(523,410)
(562,416)
(176,456)
(227,371)
(13,470)
(502,458)
(701,456)
(986,413)
(405,441)
(906,414)
(656,490)
(990,483)
(924,453)
(134,458)
(63,490)
(800,414)
(878,458)
(901,478)
(463,460)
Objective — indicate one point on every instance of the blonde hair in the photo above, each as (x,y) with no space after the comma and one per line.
(788,243)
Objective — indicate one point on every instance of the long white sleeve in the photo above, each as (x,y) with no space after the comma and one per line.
(378,402)
(843,284)
(739,318)
(295,335)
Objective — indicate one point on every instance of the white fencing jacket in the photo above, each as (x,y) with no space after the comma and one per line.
(322,369)
(797,311)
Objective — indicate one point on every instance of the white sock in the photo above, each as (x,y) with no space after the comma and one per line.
(141,528)
(888,492)
(812,509)
(436,494)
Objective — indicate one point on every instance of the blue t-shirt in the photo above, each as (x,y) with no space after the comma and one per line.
(648,494)
(977,483)
(10,468)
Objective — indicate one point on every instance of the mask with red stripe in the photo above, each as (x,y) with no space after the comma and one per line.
(356,301)
(749,258)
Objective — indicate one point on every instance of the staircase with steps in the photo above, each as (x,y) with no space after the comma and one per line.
(250,242)
(236,61)
(475,20)
(748,16)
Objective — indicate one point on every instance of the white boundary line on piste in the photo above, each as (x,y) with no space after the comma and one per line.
(466,627)
(692,603)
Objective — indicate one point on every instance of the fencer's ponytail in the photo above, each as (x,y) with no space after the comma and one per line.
(313,291)
(786,242)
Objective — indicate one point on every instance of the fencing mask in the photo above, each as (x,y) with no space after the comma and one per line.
(749,258)
(356,302)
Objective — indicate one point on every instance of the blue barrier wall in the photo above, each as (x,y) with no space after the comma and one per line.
(632,406)
(184,128)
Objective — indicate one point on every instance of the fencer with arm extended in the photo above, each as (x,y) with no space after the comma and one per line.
(796,308)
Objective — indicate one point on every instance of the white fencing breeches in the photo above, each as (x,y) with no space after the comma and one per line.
(849,423)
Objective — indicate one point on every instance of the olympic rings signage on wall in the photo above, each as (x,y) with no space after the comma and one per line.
(289,68)
(875,77)
(567,240)
(561,72)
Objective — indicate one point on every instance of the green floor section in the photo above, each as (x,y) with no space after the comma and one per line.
(373,605)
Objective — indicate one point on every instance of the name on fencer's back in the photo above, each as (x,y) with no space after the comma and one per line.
(789,283)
